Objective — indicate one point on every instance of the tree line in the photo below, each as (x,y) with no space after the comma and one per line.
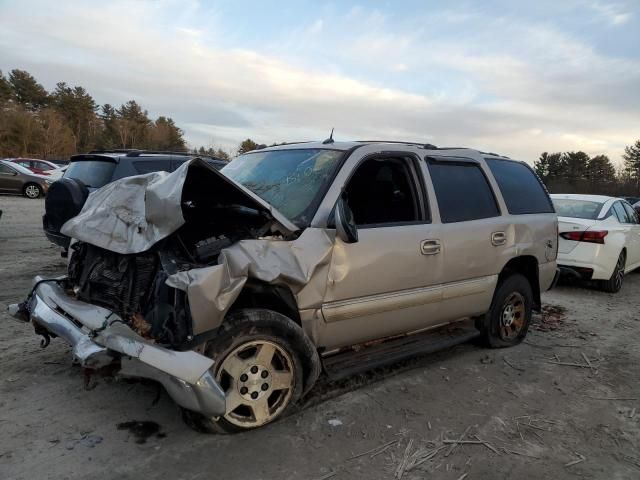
(577,172)
(67,120)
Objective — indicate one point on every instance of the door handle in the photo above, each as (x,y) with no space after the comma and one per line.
(430,247)
(498,238)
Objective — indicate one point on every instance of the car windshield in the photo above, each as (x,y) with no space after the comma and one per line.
(292,181)
(93,173)
(567,207)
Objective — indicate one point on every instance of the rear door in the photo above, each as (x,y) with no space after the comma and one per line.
(474,236)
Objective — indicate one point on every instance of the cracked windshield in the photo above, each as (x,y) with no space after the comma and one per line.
(290,180)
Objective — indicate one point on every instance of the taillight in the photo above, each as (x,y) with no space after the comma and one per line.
(591,236)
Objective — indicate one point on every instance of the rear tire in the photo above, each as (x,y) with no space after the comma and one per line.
(614,284)
(507,322)
(259,366)
(32,190)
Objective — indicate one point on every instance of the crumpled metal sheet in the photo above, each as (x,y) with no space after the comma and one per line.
(300,264)
(130,215)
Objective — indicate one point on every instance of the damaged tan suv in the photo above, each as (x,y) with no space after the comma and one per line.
(236,290)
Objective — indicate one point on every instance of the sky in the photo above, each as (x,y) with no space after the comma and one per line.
(513,77)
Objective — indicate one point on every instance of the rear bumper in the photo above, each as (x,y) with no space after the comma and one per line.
(98,339)
(579,273)
(53,236)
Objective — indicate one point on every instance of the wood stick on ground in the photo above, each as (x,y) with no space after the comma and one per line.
(570,364)
(586,359)
(454,445)
(388,444)
(423,458)
(575,462)
(333,473)
(506,450)
(463,476)
(382,450)
(403,462)
(488,445)
(613,398)
(505,360)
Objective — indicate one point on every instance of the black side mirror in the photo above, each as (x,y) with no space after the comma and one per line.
(346,228)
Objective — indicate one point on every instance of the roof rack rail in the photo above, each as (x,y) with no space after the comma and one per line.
(427,146)
(112,150)
(137,153)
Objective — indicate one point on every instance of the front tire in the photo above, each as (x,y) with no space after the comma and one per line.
(614,284)
(259,368)
(507,322)
(32,190)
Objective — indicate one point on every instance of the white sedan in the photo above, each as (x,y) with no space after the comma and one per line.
(599,238)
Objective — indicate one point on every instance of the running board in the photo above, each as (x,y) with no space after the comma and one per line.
(367,356)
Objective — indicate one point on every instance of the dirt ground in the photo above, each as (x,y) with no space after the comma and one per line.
(539,409)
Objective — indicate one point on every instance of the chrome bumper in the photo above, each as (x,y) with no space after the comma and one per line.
(98,337)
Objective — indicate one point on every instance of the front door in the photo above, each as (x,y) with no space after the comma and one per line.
(9,180)
(386,282)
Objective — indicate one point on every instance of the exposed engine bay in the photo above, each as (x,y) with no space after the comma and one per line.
(133,285)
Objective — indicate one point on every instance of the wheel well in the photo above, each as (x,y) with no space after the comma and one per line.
(528,267)
(278,298)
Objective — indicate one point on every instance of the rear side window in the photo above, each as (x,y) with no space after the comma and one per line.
(462,191)
(93,173)
(621,213)
(149,166)
(522,191)
(631,213)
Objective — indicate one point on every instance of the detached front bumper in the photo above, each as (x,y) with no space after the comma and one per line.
(99,337)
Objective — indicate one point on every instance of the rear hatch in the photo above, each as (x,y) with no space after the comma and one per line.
(67,195)
(569,224)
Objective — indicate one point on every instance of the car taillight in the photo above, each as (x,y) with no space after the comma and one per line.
(591,236)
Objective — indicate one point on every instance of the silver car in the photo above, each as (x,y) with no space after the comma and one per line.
(236,290)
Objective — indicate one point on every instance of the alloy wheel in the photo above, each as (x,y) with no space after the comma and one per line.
(258,380)
(512,316)
(32,191)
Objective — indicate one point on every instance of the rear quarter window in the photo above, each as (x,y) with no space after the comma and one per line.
(148,166)
(462,191)
(521,189)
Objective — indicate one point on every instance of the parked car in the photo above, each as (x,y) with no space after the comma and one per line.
(58,172)
(14,178)
(235,289)
(636,207)
(41,167)
(632,200)
(88,172)
(599,238)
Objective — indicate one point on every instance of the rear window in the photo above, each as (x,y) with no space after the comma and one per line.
(568,207)
(93,173)
(521,189)
(463,192)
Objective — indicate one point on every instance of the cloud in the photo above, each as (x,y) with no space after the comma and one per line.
(611,13)
(513,86)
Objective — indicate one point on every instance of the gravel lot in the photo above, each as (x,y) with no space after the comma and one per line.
(539,419)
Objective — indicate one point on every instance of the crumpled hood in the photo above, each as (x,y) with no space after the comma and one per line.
(130,215)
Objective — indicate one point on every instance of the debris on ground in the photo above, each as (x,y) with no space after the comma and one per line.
(551,318)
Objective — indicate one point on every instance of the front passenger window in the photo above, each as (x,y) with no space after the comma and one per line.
(382,191)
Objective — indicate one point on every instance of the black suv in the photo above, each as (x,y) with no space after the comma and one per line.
(89,171)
